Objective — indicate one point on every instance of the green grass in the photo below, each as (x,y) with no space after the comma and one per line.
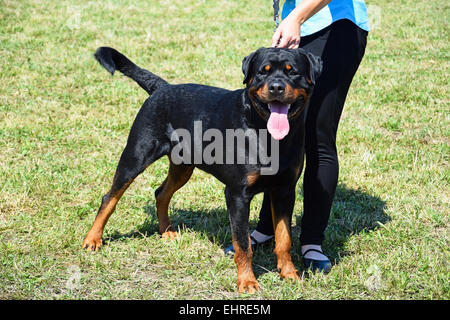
(64,122)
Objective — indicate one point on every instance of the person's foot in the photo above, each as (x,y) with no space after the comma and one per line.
(314,258)
(256,238)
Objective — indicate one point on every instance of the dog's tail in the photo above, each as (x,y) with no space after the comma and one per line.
(113,60)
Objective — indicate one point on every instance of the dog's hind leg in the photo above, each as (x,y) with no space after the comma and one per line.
(138,154)
(177,177)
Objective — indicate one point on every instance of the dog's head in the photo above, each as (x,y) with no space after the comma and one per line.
(279,83)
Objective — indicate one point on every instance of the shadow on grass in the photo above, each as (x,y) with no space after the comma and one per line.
(353,212)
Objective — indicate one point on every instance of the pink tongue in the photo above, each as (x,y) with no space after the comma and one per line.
(278,124)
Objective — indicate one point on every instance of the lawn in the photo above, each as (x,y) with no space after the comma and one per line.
(64,122)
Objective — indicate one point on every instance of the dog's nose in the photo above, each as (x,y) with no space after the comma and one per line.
(276,88)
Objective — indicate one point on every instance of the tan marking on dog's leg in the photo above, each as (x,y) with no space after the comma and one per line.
(177,177)
(93,239)
(283,246)
(246,280)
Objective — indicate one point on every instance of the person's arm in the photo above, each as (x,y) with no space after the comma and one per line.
(287,34)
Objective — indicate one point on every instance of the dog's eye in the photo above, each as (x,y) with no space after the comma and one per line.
(266,69)
(290,70)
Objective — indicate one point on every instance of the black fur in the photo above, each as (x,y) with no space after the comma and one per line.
(172,107)
(113,60)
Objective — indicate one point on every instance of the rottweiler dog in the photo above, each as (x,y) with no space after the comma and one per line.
(278,83)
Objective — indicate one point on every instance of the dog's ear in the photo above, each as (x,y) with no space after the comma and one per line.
(247,65)
(315,65)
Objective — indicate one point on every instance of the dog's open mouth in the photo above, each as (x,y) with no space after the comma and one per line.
(278,123)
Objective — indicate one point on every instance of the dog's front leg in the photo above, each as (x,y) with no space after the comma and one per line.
(282,204)
(238,204)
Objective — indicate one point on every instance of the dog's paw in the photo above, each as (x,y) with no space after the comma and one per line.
(248,286)
(291,276)
(92,243)
(169,235)
(289,272)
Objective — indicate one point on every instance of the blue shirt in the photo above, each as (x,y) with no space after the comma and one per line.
(354,10)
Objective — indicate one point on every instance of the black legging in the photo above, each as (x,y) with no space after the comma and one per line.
(341,46)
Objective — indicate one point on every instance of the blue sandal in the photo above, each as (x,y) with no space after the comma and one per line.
(317,265)
(255,244)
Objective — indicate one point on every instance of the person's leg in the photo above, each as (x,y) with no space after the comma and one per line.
(341,47)
(265,224)
(314,43)
(341,56)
